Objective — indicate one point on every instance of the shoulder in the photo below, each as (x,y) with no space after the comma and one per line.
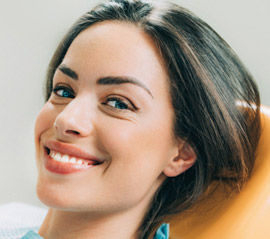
(16,219)
(162,232)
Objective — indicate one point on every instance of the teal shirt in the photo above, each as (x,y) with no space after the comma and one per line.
(31,235)
(22,221)
(162,233)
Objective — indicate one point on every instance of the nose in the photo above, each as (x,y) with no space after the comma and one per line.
(75,120)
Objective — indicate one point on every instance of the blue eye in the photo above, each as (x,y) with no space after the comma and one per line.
(63,91)
(118,103)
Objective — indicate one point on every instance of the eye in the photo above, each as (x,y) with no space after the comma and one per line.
(119,103)
(63,91)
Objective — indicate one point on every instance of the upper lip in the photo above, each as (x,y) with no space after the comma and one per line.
(71,150)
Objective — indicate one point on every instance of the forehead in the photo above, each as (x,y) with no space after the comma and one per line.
(117,48)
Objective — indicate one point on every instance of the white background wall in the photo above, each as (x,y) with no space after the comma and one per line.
(30,31)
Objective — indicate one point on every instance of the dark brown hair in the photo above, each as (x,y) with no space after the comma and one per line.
(207,82)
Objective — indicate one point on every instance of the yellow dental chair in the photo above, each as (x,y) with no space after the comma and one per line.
(245,215)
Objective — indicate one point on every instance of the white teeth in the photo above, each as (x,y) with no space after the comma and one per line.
(79,161)
(65,158)
(57,157)
(72,160)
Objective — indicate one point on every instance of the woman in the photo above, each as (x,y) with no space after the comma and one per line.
(142,114)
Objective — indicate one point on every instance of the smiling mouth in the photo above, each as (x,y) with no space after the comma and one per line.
(65,158)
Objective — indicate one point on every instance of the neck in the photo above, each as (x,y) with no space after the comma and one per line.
(63,224)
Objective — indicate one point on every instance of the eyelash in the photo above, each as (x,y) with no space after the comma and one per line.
(63,88)
(123,102)
(128,105)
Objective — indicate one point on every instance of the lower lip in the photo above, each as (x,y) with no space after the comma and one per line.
(64,168)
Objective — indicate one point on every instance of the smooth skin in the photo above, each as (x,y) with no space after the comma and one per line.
(128,125)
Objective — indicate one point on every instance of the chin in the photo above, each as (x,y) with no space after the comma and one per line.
(56,197)
(50,196)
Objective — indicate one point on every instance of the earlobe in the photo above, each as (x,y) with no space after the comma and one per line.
(183,161)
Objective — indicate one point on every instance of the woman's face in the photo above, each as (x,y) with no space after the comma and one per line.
(105,136)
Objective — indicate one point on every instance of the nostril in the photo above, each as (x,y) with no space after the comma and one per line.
(72,132)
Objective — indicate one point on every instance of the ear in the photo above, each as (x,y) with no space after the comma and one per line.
(185,158)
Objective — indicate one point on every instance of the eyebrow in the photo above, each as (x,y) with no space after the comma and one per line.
(67,71)
(108,80)
(117,80)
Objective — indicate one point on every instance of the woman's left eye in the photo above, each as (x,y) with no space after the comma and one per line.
(118,103)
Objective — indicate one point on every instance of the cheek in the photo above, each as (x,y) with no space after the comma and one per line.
(44,121)
(137,162)
(136,140)
(139,152)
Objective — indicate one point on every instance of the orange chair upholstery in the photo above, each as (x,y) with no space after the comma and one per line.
(243,216)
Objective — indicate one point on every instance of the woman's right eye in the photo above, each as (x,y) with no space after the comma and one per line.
(63,91)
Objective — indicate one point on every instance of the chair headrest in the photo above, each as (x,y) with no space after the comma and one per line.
(245,215)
